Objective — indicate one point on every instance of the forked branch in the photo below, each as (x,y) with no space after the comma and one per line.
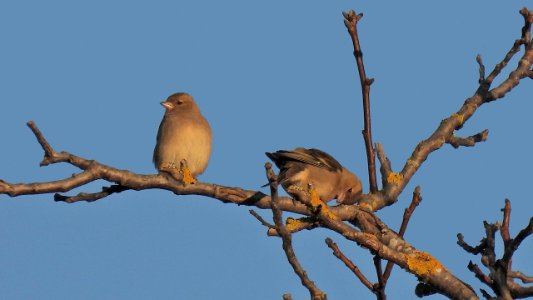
(394,183)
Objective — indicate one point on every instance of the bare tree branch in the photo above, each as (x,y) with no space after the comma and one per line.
(90,197)
(500,277)
(408,212)
(382,241)
(294,225)
(379,287)
(448,126)
(363,226)
(520,237)
(470,141)
(261,220)
(479,274)
(350,20)
(468,248)
(357,272)
(286,238)
(519,275)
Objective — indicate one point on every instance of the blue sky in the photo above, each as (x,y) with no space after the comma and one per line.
(267,77)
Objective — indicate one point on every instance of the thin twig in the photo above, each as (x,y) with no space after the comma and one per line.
(470,141)
(379,288)
(408,212)
(91,197)
(357,272)
(504,231)
(481,69)
(48,150)
(350,20)
(386,168)
(286,237)
(294,225)
(515,243)
(479,274)
(261,220)
(474,250)
(519,275)
(487,295)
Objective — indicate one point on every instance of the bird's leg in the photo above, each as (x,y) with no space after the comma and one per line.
(187,177)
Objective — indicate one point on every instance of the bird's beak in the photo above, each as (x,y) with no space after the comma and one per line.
(167,105)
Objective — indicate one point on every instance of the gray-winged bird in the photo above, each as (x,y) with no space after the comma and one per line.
(184,134)
(301,167)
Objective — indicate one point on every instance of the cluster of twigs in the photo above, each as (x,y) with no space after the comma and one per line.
(501,276)
(357,223)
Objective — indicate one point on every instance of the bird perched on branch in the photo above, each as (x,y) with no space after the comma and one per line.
(329,179)
(184,139)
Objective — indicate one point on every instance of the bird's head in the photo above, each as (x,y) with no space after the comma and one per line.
(179,102)
(350,188)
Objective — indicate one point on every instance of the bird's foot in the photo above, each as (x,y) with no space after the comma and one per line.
(183,174)
(315,198)
(172,171)
(318,205)
(186,176)
(315,204)
(296,192)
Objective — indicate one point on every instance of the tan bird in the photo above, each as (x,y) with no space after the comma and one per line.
(330,180)
(184,134)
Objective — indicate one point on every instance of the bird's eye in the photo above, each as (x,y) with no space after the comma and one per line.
(180,102)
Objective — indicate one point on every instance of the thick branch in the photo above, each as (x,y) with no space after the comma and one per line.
(388,245)
(380,240)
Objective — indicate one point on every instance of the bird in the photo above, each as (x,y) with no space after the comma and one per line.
(184,139)
(302,167)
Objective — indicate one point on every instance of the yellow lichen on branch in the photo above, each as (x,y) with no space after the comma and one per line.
(317,203)
(422,263)
(394,177)
(293,224)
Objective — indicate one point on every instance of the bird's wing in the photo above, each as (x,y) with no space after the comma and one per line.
(314,157)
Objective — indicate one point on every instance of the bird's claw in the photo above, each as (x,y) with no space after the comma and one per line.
(318,205)
(186,176)
(183,174)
